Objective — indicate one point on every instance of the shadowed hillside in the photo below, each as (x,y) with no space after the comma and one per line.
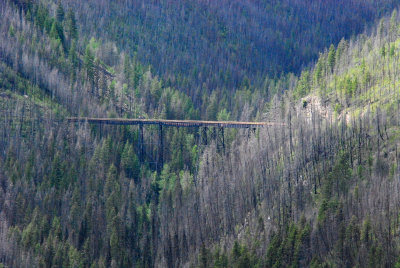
(202,46)
(321,189)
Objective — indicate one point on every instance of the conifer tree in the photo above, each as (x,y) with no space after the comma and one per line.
(89,63)
(60,12)
(71,25)
(331,57)
(72,56)
(129,161)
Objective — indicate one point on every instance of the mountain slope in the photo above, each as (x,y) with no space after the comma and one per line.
(326,191)
(320,191)
(44,161)
(207,45)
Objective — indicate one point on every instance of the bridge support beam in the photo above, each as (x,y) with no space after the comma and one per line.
(214,133)
(223,138)
(204,135)
(141,144)
(220,137)
(160,162)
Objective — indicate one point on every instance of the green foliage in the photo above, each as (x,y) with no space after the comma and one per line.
(383,51)
(56,228)
(338,107)
(72,55)
(11,31)
(242,257)
(94,44)
(204,257)
(392,51)
(223,115)
(212,109)
(331,57)
(30,235)
(338,179)
(89,63)
(57,31)
(41,16)
(274,37)
(48,172)
(366,232)
(130,162)
(289,248)
(239,257)
(167,178)
(60,12)
(221,260)
(57,174)
(397,264)
(327,209)
(303,85)
(375,256)
(71,25)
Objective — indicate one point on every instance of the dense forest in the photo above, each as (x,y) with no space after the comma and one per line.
(204,46)
(320,189)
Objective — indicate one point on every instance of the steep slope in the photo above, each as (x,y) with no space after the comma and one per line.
(326,193)
(202,46)
(320,191)
(50,209)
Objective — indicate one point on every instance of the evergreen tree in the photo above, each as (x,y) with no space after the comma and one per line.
(57,32)
(72,56)
(57,172)
(60,12)
(127,70)
(331,58)
(130,162)
(71,25)
(89,63)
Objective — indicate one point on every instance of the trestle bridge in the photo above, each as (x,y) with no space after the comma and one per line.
(217,129)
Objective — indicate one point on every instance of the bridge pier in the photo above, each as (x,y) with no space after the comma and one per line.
(214,133)
(223,138)
(220,138)
(160,162)
(204,135)
(249,132)
(217,134)
(141,144)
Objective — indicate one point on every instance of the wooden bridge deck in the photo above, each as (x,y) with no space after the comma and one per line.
(172,123)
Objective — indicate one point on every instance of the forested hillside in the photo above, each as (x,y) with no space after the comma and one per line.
(319,190)
(204,46)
